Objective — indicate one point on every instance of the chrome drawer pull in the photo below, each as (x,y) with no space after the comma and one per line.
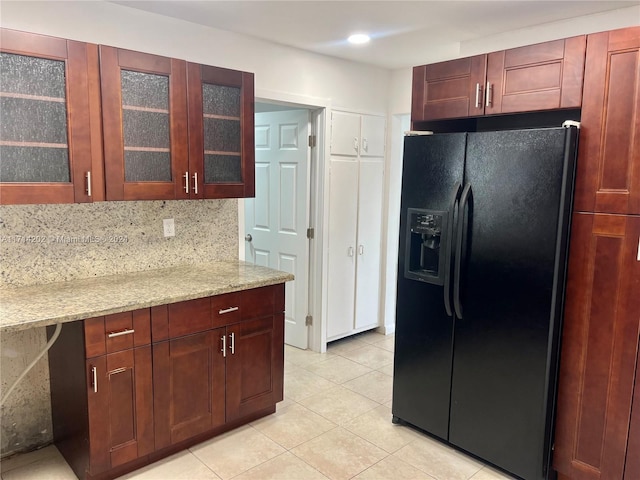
(120,333)
(233,343)
(94,379)
(224,345)
(228,310)
(117,370)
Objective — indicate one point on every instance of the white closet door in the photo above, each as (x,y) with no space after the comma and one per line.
(373,136)
(367,311)
(345,133)
(343,214)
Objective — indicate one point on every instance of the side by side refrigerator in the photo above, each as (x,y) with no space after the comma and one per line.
(483,244)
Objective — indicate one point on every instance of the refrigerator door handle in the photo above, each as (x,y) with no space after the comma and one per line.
(449,249)
(457,304)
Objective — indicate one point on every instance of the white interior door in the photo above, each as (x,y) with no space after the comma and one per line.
(278,217)
(367,310)
(343,214)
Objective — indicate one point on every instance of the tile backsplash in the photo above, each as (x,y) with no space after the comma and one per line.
(52,243)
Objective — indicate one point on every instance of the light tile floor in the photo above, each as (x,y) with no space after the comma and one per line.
(335,423)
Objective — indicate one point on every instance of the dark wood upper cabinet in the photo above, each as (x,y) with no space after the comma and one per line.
(544,76)
(50,137)
(599,349)
(608,176)
(453,89)
(221,132)
(144,108)
(175,130)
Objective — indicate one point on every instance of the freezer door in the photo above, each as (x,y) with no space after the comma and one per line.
(432,169)
(511,290)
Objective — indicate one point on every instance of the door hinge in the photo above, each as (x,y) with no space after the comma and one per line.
(312,141)
(310,233)
(308,321)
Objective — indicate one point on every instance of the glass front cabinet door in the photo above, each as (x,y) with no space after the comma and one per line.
(144,109)
(175,130)
(221,132)
(49,133)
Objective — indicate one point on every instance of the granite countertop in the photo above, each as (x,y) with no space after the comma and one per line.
(52,303)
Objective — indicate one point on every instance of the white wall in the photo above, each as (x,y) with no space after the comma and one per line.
(277,68)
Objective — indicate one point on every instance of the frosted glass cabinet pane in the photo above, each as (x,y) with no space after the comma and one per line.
(221,100)
(145,90)
(145,125)
(33,131)
(222,134)
(222,168)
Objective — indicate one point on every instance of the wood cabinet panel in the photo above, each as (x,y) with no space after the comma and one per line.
(226,309)
(189,383)
(537,77)
(544,76)
(632,466)
(253,370)
(145,139)
(608,177)
(119,331)
(120,408)
(452,89)
(599,347)
(221,135)
(50,162)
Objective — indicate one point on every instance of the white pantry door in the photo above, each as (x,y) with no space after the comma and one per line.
(278,217)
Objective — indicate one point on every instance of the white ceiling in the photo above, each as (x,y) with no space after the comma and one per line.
(399,29)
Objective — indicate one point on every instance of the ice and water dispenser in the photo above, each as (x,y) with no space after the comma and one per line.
(425,251)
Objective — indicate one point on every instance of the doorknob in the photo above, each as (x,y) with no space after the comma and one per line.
(248,237)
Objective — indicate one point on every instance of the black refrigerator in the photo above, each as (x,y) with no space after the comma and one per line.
(484,233)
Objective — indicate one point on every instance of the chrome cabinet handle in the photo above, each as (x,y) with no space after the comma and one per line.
(127,331)
(186,181)
(224,346)
(365,145)
(361,250)
(350,251)
(228,310)
(489,94)
(195,183)
(233,343)
(94,379)
(88,175)
(117,370)
(478,89)
(355,143)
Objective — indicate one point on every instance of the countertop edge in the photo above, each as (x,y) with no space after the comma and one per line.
(273,277)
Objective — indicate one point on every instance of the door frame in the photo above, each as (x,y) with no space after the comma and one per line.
(318,110)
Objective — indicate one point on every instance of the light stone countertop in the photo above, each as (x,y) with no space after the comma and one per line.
(48,304)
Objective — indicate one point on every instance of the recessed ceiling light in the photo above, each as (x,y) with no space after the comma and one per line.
(359,38)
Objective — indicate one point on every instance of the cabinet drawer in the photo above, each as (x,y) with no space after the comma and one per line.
(226,309)
(258,302)
(120,331)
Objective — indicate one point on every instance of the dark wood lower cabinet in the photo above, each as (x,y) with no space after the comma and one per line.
(189,384)
(161,379)
(120,402)
(599,351)
(253,378)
